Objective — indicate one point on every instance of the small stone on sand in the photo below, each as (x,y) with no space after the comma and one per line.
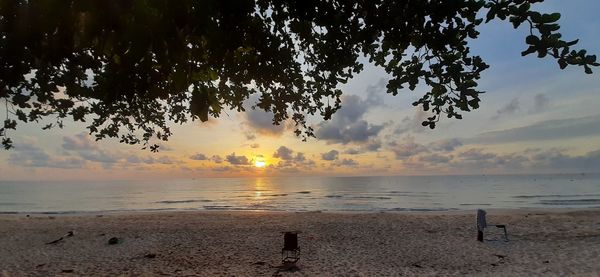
(113,240)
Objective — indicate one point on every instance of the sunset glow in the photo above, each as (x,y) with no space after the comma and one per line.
(259,161)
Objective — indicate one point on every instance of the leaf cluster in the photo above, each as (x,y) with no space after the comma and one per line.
(130,67)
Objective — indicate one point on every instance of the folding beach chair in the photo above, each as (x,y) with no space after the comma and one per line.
(290,252)
(482,224)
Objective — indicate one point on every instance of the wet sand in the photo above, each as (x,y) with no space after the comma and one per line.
(541,243)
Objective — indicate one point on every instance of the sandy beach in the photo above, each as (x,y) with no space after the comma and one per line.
(541,243)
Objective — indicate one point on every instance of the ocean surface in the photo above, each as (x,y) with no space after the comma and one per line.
(422,193)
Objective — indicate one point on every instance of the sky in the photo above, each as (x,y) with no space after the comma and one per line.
(534,119)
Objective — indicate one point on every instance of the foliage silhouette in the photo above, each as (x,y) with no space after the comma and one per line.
(129,67)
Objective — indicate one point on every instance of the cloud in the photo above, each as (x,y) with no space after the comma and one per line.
(199,157)
(298,164)
(79,142)
(291,163)
(100,156)
(475,159)
(26,154)
(283,153)
(545,130)
(510,108)
(476,154)
(446,156)
(540,103)
(346,162)
(83,146)
(262,122)
(412,124)
(352,151)
(372,145)
(452,156)
(330,156)
(300,157)
(558,161)
(375,93)
(407,149)
(347,124)
(166,160)
(152,160)
(216,159)
(446,145)
(254,145)
(552,160)
(165,148)
(223,168)
(435,158)
(134,159)
(237,160)
(359,131)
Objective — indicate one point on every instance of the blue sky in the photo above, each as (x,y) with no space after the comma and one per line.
(534,118)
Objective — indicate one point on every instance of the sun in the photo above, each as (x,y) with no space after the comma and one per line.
(259,161)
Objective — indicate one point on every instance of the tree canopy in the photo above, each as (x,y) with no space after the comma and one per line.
(130,67)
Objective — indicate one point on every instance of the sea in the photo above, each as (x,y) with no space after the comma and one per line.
(337,194)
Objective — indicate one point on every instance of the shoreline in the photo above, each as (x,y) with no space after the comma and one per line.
(407,211)
(541,242)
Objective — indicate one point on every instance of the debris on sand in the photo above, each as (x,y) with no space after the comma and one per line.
(417,265)
(113,240)
(69,234)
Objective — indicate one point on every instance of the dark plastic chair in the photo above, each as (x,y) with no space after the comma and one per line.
(290,252)
(482,224)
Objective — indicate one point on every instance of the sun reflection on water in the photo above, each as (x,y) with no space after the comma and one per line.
(260,186)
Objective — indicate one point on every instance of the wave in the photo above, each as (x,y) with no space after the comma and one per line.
(593,201)
(474,204)
(371,197)
(304,192)
(412,193)
(275,195)
(13,204)
(10,212)
(554,195)
(260,195)
(262,207)
(252,207)
(334,196)
(421,209)
(59,212)
(87,212)
(218,207)
(183,201)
